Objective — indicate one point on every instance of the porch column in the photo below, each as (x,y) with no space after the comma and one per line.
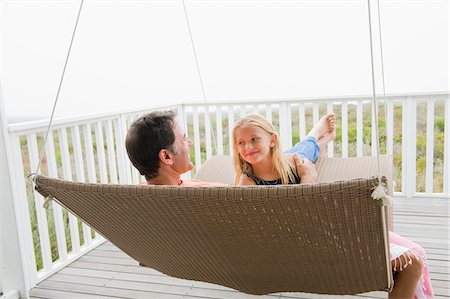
(12,276)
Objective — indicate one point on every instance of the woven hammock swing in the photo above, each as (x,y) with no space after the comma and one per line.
(326,238)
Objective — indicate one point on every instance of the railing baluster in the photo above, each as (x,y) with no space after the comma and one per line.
(41,213)
(301,121)
(285,130)
(207,132)
(57,211)
(390,127)
(409,150)
(198,159)
(124,173)
(269,112)
(89,153)
(344,126)
(67,173)
(111,152)
(243,111)
(135,176)
(430,147)
(405,145)
(219,130)
(133,173)
(90,163)
(359,129)
(288,125)
(446,146)
(259,109)
(230,128)
(373,145)
(182,120)
(122,153)
(78,155)
(316,114)
(330,145)
(101,152)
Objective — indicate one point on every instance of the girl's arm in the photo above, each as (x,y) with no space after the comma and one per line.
(305,170)
(245,180)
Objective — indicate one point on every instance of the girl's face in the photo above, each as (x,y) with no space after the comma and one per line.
(254,143)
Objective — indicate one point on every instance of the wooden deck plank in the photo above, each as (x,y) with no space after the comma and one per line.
(157,292)
(115,254)
(107,272)
(57,294)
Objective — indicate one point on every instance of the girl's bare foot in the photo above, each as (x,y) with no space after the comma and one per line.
(330,135)
(326,124)
(327,138)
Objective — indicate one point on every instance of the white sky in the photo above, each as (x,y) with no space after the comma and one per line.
(131,54)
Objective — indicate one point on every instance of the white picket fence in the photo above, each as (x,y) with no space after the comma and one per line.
(92,149)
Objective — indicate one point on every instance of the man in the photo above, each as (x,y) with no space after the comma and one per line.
(159,148)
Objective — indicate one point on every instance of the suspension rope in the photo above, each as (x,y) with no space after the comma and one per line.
(199,72)
(374,99)
(382,72)
(42,154)
(380,190)
(195,52)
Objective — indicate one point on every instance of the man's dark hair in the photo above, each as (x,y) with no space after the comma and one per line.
(147,136)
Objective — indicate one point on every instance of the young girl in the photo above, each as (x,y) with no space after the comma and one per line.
(258,158)
(259,161)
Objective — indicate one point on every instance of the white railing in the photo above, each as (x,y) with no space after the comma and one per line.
(407,129)
(92,149)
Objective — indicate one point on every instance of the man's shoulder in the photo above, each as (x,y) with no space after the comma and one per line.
(198,183)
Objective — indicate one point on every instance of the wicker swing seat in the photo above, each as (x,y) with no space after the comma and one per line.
(327,238)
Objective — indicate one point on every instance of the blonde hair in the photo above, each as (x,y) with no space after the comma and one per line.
(279,162)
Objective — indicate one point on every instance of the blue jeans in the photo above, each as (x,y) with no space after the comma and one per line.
(307,148)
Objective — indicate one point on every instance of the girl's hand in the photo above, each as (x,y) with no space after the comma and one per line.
(305,170)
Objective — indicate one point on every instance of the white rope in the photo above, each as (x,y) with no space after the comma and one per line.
(195,52)
(199,73)
(380,191)
(382,73)
(374,100)
(42,154)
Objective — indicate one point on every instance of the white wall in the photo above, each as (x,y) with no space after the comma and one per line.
(138,53)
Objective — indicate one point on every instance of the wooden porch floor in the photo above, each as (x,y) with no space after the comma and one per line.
(107,272)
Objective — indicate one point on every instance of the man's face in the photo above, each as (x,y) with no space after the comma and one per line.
(182,145)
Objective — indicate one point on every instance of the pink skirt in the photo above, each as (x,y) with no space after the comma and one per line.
(400,246)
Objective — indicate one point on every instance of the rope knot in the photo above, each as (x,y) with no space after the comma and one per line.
(380,192)
(47,201)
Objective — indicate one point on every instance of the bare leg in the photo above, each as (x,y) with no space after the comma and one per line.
(406,281)
(323,127)
(329,136)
